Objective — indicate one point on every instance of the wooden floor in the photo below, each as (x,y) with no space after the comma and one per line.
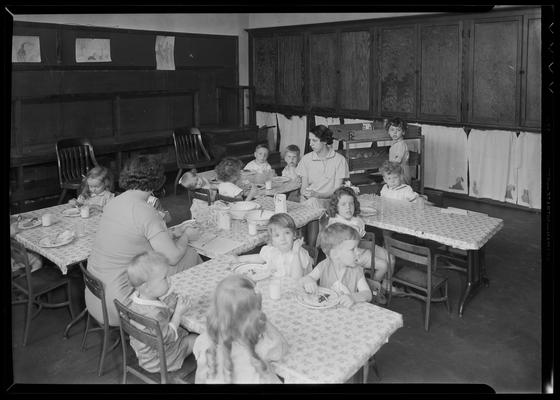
(497,342)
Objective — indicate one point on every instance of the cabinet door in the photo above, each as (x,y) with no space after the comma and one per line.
(493,85)
(290,70)
(440,76)
(397,71)
(355,49)
(322,69)
(264,69)
(531,79)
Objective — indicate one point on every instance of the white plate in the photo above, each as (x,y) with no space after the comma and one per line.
(280,179)
(49,241)
(367,211)
(28,223)
(323,298)
(71,212)
(256,272)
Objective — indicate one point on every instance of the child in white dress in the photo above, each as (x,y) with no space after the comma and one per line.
(398,152)
(340,270)
(147,273)
(345,208)
(284,255)
(259,164)
(96,189)
(239,342)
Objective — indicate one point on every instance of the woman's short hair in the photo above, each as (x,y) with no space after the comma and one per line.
(142,266)
(335,198)
(228,169)
(142,173)
(335,234)
(323,133)
(399,123)
(281,220)
(391,167)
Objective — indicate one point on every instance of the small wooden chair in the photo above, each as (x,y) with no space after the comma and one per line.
(97,288)
(29,287)
(418,276)
(75,157)
(150,336)
(190,152)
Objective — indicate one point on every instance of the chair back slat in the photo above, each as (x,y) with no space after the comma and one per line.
(75,158)
(189,148)
(19,252)
(97,288)
(145,330)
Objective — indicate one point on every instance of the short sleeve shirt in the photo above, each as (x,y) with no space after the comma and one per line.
(282,263)
(254,166)
(401,192)
(322,174)
(328,276)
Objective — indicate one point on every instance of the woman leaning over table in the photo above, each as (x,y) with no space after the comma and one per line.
(322,171)
(130,226)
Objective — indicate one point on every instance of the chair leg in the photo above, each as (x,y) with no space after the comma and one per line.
(123,345)
(103,349)
(69,297)
(427,316)
(365,370)
(179,173)
(85,332)
(28,316)
(447,304)
(62,196)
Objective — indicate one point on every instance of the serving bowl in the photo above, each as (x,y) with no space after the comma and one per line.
(239,209)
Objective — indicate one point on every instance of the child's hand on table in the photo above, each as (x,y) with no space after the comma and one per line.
(347,301)
(309,285)
(183,304)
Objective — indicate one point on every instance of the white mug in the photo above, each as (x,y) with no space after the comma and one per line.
(268,184)
(47,219)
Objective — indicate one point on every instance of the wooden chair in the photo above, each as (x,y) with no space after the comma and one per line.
(190,151)
(417,275)
(150,336)
(30,287)
(313,253)
(97,288)
(75,157)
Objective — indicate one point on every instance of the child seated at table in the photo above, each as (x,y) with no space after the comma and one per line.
(259,164)
(291,157)
(340,270)
(344,208)
(147,273)
(35,260)
(191,180)
(398,152)
(284,255)
(228,172)
(394,187)
(96,188)
(239,342)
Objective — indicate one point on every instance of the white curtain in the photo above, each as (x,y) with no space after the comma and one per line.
(489,157)
(529,172)
(445,158)
(268,119)
(327,121)
(292,131)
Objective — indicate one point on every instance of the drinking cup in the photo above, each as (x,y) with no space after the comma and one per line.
(275,289)
(47,219)
(268,184)
(84,212)
(252,227)
(80,228)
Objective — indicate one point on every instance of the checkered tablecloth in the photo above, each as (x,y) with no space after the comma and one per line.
(284,187)
(76,251)
(465,232)
(239,232)
(325,346)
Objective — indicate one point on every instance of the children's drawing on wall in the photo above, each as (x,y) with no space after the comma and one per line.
(93,50)
(26,49)
(510,189)
(525,197)
(165,58)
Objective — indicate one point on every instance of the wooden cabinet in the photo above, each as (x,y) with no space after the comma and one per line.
(264,69)
(290,70)
(495,56)
(397,52)
(531,74)
(323,69)
(440,71)
(355,62)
